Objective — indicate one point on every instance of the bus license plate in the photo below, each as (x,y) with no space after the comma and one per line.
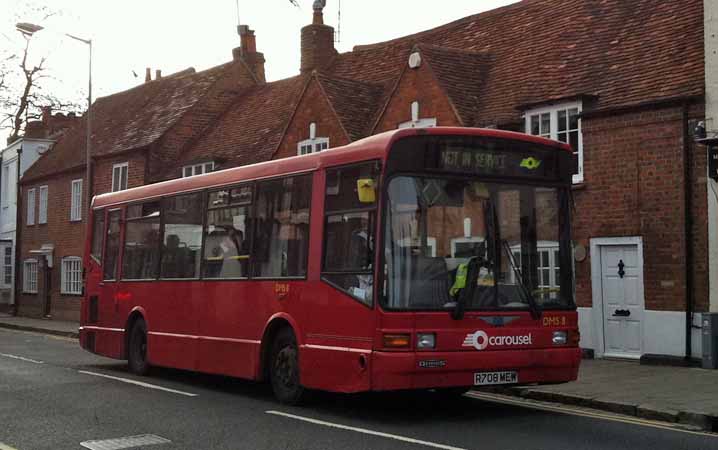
(487,378)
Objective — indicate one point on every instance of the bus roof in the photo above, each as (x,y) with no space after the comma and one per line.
(372,147)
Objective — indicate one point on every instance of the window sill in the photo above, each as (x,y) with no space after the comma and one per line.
(75,220)
(68,294)
(29,293)
(578,186)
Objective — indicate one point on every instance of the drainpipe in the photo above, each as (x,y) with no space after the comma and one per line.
(688,191)
(18,228)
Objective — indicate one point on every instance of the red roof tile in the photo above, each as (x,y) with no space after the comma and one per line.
(128,120)
(251,129)
(622,52)
(355,102)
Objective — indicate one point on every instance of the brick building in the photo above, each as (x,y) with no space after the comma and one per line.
(16,158)
(136,133)
(623,83)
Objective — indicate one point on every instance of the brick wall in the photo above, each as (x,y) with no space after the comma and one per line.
(634,178)
(66,236)
(313,107)
(136,171)
(417,85)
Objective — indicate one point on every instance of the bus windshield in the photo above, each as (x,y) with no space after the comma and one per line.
(514,237)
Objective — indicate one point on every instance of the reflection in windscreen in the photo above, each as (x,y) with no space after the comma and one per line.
(437,226)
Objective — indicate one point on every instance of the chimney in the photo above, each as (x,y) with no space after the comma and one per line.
(148,75)
(46,114)
(158,74)
(317,42)
(248,53)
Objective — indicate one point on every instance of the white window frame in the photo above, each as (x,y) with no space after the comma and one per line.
(29,276)
(71,275)
(31,206)
(464,240)
(550,247)
(76,200)
(552,132)
(197,169)
(314,144)
(7,267)
(42,211)
(117,176)
(414,242)
(5,186)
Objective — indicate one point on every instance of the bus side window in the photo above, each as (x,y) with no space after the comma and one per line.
(227,236)
(350,220)
(98,233)
(142,237)
(112,245)
(281,241)
(182,242)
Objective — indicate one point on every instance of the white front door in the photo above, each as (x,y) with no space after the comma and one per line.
(621,281)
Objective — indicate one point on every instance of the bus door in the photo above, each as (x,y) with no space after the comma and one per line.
(108,276)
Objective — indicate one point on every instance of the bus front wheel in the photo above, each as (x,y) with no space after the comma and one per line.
(137,352)
(284,369)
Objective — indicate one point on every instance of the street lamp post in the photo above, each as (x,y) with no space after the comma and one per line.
(29,29)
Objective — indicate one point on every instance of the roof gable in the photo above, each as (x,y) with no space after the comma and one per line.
(354,102)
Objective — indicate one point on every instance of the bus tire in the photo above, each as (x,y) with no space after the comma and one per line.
(137,349)
(284,368)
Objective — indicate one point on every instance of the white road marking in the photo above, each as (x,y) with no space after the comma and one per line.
(576,411)
(364,431)
(6,447)
(138,383)
(34,361)
(141,440)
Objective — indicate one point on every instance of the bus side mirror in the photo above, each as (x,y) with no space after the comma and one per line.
(365,190)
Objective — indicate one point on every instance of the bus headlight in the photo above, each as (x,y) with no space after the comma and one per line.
(559,338)
(425,340)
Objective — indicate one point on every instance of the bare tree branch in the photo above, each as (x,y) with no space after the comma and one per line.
(22,83)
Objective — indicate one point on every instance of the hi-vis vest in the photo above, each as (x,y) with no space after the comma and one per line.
(485,278)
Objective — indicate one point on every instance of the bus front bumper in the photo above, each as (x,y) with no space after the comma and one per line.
(424,370)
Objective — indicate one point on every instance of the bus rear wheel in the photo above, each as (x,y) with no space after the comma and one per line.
(137,349)
(284,369)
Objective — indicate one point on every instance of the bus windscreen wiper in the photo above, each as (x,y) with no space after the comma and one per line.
(535,309)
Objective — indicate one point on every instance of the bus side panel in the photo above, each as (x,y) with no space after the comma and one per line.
(171,318)
(232,315)
(338,329)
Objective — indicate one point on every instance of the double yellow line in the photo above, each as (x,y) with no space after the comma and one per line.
(565,409)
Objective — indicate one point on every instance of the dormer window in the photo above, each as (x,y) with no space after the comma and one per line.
(197,169)
(416,121)
(314,144)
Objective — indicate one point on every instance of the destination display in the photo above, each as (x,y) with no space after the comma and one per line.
(483,161)
(713,162)
(481,156)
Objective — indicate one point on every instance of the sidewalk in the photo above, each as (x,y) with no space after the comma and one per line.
(56,327)
(671,394)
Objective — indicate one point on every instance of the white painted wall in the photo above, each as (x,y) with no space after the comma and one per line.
(32,149)
(710,8)
(663,333)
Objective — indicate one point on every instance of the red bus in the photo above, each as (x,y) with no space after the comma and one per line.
(415,259)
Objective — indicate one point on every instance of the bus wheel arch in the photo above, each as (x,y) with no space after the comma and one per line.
(275,325)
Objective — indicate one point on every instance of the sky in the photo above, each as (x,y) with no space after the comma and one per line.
(171,35)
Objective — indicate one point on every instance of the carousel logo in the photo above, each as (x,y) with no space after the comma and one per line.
(480,340)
